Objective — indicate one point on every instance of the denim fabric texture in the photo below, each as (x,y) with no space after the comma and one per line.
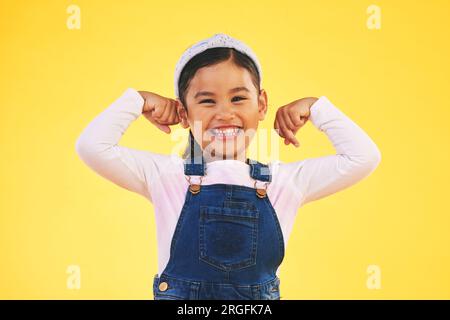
(227,244)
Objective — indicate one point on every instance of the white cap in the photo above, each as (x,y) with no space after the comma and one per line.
(217,40)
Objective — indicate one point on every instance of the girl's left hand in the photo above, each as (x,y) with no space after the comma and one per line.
(291,117)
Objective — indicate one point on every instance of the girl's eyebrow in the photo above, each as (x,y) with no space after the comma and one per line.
(207,93)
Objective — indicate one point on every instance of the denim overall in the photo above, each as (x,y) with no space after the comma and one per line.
(227,243)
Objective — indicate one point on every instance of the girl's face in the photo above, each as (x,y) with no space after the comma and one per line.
(224,109)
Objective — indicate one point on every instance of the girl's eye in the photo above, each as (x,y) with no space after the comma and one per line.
(242,98)
(207,100)
(212,101)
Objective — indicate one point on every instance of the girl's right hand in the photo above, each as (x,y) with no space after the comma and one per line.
(159,110)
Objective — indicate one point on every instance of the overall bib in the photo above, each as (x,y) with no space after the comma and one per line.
(227,243)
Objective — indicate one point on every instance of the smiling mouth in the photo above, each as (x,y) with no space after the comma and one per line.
(226,132)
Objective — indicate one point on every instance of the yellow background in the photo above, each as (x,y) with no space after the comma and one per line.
(393,82)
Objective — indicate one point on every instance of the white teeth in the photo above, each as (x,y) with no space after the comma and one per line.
(227,132)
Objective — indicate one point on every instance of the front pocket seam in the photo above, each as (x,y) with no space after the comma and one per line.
(211,210)
(227,217)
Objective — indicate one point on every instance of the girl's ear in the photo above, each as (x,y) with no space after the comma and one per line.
(262,105)
(182,114)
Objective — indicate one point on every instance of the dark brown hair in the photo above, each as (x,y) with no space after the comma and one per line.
(210,57)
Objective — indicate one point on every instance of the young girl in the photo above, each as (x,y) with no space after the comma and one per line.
(223,220)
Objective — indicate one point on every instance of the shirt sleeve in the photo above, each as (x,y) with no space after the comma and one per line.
(98,148)
(356,155)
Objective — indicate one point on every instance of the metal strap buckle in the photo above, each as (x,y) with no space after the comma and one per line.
(194,188)
(261,193)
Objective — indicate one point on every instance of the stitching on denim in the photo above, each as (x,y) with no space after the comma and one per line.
(254,221)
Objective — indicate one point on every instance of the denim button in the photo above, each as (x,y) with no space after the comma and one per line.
(163,286)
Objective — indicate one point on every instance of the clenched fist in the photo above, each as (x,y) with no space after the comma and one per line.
(159,110)
(291,117)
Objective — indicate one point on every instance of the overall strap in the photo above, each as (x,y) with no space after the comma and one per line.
(259,171)
(194,164)
(194,167)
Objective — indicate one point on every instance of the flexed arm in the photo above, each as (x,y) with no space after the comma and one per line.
(98,145)
(356,153)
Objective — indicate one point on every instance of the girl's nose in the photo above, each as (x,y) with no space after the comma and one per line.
(224,113)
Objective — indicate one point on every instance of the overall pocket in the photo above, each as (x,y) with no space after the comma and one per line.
(228,237)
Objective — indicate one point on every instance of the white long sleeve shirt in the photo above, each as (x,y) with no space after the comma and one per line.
(160,178)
